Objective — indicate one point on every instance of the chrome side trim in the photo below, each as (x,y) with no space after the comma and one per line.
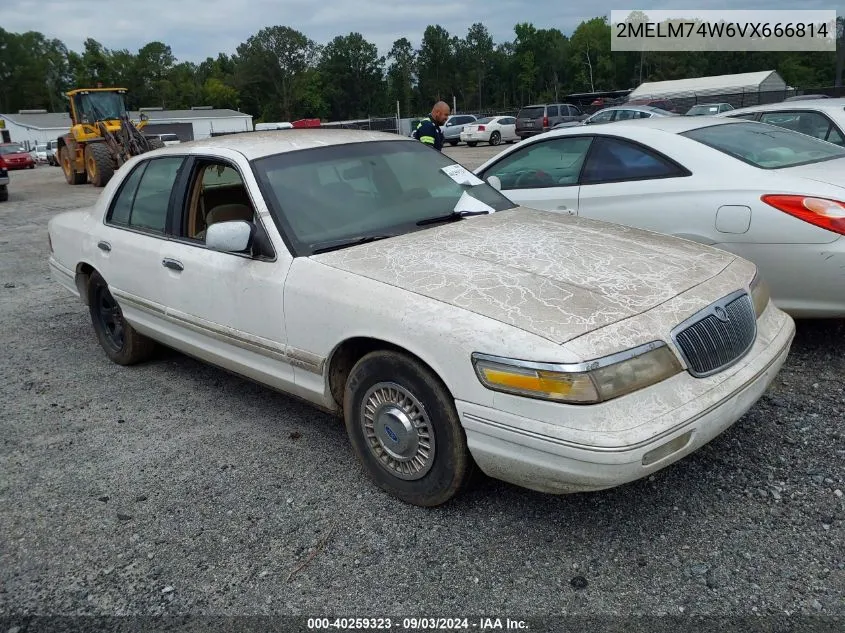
(229,335)
(567,368)
(264,347)
(137,302)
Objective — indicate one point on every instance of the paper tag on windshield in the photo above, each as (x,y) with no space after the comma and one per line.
(461,175)
(472,205)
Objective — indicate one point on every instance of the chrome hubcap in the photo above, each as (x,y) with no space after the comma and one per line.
(397,431)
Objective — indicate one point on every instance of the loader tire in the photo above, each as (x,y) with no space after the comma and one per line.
(99,164)
(66,162)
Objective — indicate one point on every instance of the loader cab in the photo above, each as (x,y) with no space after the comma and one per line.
(96,104)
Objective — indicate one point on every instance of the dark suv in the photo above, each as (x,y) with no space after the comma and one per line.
(536,119)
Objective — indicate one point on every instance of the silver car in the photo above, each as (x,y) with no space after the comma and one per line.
(619,113)
(454,125)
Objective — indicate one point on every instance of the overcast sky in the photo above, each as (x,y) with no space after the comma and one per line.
(196,29)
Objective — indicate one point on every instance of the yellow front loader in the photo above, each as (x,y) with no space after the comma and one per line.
(101,137)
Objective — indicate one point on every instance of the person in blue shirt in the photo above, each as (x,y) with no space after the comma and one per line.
(428,129)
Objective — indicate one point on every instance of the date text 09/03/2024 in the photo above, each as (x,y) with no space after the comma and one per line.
(416,624)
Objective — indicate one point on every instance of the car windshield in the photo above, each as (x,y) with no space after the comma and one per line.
(100,106)
(11,149)
(765,146)
(355,190)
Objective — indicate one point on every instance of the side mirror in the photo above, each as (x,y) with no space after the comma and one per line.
(495,182)
(230,237)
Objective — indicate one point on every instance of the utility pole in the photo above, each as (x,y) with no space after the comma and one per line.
(840,51)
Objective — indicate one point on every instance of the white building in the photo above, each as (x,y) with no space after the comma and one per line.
(196,123)
(765,81)
(29,127)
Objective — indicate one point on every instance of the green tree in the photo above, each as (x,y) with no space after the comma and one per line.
(401,74)
(435,65)
(353,77)
(478,47)
(272,71)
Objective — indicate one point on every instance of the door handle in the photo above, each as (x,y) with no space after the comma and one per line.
(172,264)
(104,246)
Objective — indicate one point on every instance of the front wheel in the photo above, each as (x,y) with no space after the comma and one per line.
(472,143)
(453,143)
(405,430)
(4,193)
(121,342)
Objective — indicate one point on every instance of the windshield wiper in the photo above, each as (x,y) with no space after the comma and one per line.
(450,217)
(334,245)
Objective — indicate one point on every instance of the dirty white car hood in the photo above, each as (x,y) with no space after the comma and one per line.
(555,275)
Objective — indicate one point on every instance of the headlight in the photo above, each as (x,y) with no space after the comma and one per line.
(582,383)
(759,294)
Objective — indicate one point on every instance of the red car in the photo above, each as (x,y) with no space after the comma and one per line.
(16,157)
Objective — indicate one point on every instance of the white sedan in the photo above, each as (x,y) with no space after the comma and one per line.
(770,195)
(449,327)
(492,129)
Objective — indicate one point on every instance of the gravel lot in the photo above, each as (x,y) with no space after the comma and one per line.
(175,488)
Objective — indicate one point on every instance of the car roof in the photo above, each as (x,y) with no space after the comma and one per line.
(639,108)
(265,143)
(815,104)
(671,124)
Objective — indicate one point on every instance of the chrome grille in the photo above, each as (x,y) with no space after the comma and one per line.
(718,336)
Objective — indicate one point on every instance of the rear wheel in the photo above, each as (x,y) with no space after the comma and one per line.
(71,176)
(404,428)
(495,138)
(472,143)
(121,342)
(4,193)
(99,164)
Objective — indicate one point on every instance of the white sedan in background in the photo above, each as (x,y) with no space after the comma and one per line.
(449,327)
(822,118)
(770,195)
(492,129)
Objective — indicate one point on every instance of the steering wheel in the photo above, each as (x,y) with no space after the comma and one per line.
(537,178)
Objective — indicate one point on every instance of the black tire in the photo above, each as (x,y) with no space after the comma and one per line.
(99,164)
(4,193)
(453,143)
(71,176)
(121,342)
(495,138)
(472,143)
(388,378)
